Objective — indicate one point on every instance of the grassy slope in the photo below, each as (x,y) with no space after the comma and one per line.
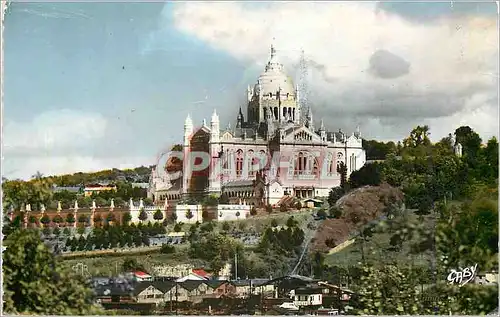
(377,249)
(106,265)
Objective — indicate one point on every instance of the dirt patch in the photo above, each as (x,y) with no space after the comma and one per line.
(358,207)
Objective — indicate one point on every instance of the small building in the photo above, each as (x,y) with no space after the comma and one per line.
(312,203)
(221,288)
(97,188)
(308,296)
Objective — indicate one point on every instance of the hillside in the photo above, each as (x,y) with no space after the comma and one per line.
(378,248)
(358,207)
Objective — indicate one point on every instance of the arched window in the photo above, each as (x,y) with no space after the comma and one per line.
(252,160)
(239,162)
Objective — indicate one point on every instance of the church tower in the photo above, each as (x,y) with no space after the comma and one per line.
(215,151)
(186,162)
(274,93)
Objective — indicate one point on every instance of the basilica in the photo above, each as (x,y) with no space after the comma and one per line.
(303,156)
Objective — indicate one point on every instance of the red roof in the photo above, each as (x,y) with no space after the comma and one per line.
(142,274)
(201,272)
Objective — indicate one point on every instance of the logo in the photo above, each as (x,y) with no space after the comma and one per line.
(462,276)
(305,165)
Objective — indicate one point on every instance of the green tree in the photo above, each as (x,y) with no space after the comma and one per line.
(369,174)
(158,215)
(143,215)
(470,141)
(274,223)
(45,219)
(35,283)
(70,218)
(126,218)
(178,227)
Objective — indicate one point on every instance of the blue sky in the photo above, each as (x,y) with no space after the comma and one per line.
(99,85)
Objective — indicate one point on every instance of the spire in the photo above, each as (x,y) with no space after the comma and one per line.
(204,122)
(215,117)
(239,119)
(322,127)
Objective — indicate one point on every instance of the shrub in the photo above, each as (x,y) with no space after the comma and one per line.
(167,249)
(253,211)
(269,208)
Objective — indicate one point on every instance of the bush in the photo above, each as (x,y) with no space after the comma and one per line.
(167,249)
(321,214)
(330,243)
(253,211)
(226,226)
(274,223)
(283,208)
(269,208)
(178,227)
(335,212)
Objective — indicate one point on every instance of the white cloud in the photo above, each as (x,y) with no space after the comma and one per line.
(452,77)
(53,131)
(60,142)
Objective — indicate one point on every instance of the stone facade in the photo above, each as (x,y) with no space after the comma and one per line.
(301,160)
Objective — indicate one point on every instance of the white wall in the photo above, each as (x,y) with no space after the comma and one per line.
(196,210)
(228,212)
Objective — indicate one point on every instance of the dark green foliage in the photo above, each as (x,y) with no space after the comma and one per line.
(291,222)
(335,194)
(274,223)
(45,219)
(126,218)
(167,249)
(35,283)
(70,218)
(282,241)
(143,215)
(158,215)
(378,150)
(321,214)
(226,226)
(369,174)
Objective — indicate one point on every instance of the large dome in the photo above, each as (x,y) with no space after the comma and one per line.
(274,78)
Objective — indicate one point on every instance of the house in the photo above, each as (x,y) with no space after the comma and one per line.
(247,287)
(344,293)
(308,296)
(201,275)
(311,203)
(147,292)
(221,288)
(195,291)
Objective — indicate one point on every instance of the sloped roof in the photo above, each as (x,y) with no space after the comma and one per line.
(191,284)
